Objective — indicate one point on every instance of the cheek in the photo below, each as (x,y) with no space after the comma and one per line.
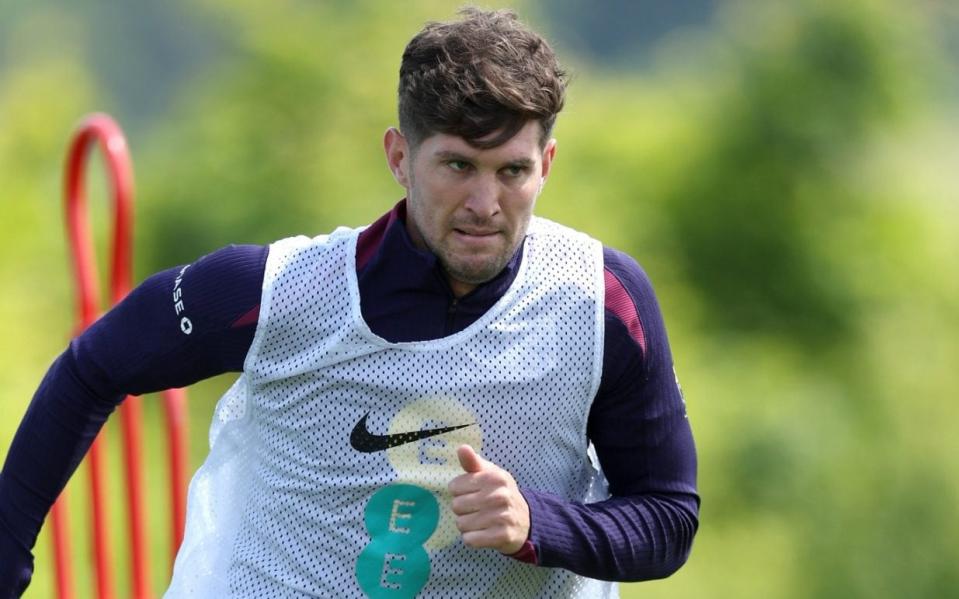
(441,199)
(524,199)
(428,213)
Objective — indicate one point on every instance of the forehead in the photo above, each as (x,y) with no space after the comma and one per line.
(525,145)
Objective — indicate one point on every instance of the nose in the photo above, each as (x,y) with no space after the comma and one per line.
(483,198)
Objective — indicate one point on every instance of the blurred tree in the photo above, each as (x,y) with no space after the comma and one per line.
(767,171)
(752,213)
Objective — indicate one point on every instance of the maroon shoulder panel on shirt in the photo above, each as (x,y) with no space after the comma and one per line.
(370,239)
(248,318)
(619,302)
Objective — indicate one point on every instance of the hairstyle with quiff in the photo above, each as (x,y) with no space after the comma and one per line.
(483,74)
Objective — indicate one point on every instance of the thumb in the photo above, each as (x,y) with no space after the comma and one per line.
(470,461)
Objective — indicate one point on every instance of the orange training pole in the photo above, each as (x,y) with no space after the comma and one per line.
(101,128)
(174,403)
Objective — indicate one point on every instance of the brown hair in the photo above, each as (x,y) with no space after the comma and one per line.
(484,73)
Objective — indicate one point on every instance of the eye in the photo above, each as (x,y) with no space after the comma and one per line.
(516,170)
(458,165)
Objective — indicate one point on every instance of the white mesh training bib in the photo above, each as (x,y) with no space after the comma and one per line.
(331,454)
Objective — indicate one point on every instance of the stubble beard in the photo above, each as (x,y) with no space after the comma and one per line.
(471,271)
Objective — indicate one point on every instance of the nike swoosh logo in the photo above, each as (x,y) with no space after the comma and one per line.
(363,440)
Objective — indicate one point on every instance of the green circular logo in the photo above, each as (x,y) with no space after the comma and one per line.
(400,519)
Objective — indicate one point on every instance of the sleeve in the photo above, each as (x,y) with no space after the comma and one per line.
(178,327)
(640,430)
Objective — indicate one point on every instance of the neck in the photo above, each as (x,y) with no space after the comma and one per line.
(459,288)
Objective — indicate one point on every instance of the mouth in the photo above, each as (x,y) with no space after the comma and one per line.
(476,232)
(477,239)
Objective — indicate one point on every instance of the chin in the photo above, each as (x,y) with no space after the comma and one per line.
(479,275)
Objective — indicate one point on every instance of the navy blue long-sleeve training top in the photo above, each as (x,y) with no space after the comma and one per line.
(637,422)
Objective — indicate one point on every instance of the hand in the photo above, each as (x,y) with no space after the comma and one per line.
(490,510)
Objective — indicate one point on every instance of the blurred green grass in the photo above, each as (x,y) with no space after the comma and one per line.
(785,176)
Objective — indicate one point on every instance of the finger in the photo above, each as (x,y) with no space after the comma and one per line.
(475,497)
(464,484)
(474,521)
(469,459)
(473,518)
(467,503)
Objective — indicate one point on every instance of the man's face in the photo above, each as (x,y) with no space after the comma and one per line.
(470,207)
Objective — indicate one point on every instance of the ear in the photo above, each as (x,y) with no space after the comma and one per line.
(549,152)
(397,155)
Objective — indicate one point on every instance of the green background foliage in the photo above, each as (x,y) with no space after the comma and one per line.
(785,172)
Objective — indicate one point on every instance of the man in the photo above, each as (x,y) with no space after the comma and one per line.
(458,400)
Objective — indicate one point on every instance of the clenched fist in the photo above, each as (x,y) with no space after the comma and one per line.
(490,510)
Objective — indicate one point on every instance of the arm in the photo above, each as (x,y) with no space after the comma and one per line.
(639,428)
(138,347)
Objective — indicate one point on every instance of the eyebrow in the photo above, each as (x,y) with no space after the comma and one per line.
(451,155)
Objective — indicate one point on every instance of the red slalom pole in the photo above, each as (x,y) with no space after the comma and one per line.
(61,548)
(101,128)
(174,403)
